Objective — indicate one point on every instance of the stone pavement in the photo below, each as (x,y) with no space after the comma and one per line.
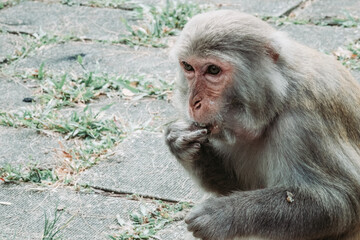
(89,149)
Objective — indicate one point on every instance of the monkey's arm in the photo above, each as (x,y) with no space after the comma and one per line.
(315,213)
(211,174)
(191,148)
(310,194)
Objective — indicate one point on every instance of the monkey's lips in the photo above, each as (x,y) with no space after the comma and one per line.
(213,128)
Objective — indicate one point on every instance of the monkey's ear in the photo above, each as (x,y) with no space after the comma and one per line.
(274,47)
(272,53)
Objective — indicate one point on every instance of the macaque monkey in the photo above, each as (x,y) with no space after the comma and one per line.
(271,127)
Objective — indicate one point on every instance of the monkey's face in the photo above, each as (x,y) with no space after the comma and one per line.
(207,79)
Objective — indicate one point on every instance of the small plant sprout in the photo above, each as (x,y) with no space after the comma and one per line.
(52,226)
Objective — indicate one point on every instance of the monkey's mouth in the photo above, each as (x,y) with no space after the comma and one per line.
(213,128)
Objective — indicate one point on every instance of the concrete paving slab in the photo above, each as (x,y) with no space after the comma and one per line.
(93,215)
(175,231)
(24,146)
(329,8)
(142,164)
(258,7)
(104,58)
(150,114)
(356,75)
(8,46)
(12,94)
(58,19)
(325,39)
(125,5)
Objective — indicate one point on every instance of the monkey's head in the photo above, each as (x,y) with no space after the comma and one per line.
(227,70)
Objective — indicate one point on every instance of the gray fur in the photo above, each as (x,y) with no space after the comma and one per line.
(304,109)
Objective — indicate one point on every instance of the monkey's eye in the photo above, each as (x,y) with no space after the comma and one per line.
(187,66)
(213,70)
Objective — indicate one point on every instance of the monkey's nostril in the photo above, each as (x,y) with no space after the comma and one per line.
(197,105)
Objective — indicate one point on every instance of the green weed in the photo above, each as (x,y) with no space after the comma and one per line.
(34,41)
(88,153)
(160,23)
(97,137)
(52,228)
(8,3)
(68,91)
(145,223)
(40,72)
(68,2)
(279,21)
(21,51)
(82,125)
(30,173)
(347,22)
(351,57)
(121,4)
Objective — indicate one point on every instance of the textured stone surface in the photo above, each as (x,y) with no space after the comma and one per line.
(356,75)
(12,94)
(8,46)
(258,7)
(24,146)
(92,216)
(176,231)
(97,57)
(330,8)
(147,114)
(143,165)
(325,39)
(125,5)
(56,19)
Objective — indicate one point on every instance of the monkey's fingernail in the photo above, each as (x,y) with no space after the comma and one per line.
(197,145)
(204,131)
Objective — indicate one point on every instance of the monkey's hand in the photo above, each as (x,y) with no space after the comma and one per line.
(212,220)
(185,139)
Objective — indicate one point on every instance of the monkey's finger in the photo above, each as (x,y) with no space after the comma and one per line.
(174,135)
(188,137)
(200,226)
(196,234)
(196,212)
(195,136)
(189,153)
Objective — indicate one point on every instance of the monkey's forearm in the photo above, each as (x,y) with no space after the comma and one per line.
(277,213)
(210,172)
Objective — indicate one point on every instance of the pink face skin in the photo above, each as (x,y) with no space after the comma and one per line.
(207,79)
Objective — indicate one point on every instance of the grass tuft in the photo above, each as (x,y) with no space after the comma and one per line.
(31,173)
(145,223)
(160,23)
(351,56)
(348,21)
(52,227)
